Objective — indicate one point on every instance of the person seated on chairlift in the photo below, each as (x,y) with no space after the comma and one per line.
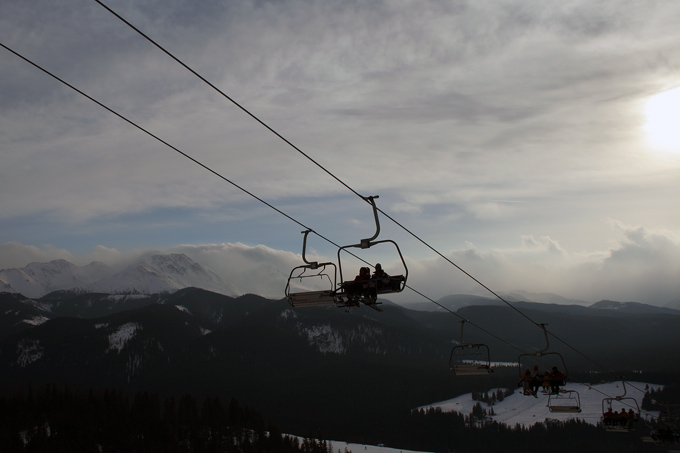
(364,274)
(546,381)
(556,380)
(623,418)
(536,379)
(525,382)
(355,287)
(631,418)
(380,275)
(608,417)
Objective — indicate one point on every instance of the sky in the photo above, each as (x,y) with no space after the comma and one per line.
(533,144)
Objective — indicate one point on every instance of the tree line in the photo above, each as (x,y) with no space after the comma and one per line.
(58,419)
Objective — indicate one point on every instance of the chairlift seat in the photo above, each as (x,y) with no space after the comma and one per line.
(391,284)
(473,369)
(568,401)
(565,409)
(312,298)
(468,359)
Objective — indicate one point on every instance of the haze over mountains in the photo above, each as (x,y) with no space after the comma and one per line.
(155,273)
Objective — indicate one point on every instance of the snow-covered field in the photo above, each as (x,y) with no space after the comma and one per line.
(342,447)
(527,410)
(359,448)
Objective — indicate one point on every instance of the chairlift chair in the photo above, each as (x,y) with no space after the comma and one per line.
(350,293)
(544,353)
(619,423)
(567,401)
(308,271)
(469,359)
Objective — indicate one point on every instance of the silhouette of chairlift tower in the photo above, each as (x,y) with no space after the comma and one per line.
(470,359)
(348,293)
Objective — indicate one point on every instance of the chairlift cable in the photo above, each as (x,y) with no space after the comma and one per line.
(464,319)
(194,160)
(204,166)
(458,267)
(230,99)
(294,147)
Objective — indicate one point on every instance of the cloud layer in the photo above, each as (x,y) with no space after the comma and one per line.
(504,133)
(642,267)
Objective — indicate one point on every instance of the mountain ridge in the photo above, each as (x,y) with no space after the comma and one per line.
(155,273)
(152,273)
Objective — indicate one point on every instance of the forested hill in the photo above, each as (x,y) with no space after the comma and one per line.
(56,418)
(352,375)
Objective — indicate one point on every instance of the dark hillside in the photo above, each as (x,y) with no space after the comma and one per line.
(636,342)
(354,375)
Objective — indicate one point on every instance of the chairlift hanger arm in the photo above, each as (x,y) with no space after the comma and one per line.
(544,352)
(462,325)
(366,243)
(624,389)
(370,242)
(547,341)
(313,264)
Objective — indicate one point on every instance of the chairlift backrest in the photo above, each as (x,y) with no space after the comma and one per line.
(470,360)
(568,401)
(309,270)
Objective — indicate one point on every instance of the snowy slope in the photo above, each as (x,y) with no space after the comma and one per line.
(527,410)
(359,448)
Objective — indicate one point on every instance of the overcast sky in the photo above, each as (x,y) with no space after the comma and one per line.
(535,144)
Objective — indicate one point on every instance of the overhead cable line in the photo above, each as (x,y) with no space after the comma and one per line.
(249,113)
(162,141)
(206,167)
(230,99)
(132,123)
(463,318)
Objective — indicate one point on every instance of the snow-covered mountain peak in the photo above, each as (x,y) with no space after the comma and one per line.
(175,263)
(151,273)
(38,279)
(51,267)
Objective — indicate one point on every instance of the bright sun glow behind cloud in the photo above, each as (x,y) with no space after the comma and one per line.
(663,120)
